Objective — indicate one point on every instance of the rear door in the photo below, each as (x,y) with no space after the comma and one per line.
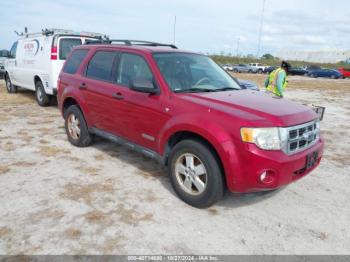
(61,47)
(100,91)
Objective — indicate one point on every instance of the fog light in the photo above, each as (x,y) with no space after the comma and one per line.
(267,177)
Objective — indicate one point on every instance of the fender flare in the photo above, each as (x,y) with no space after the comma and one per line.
(78,97)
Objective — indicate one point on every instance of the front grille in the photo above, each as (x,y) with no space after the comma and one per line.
(301,137)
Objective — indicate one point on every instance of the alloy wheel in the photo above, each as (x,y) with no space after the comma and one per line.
(191,174)
(73,125)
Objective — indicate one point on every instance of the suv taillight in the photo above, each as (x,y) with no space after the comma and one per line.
(54,53)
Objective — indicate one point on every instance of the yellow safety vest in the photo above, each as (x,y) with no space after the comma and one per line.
(272,86)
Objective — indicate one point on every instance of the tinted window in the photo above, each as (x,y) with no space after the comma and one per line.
(66,45)
(133,67)
(72,64)
(100,66)
(13,50)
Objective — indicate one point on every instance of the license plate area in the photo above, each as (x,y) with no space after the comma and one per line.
(311,160)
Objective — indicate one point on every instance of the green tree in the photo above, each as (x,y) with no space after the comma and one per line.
(268,57)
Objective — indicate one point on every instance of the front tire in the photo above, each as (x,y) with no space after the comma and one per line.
(11,89)
(76,128)
(41,97)
(195,173)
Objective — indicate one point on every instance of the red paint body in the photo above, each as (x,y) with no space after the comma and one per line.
(344,71)
(216,117)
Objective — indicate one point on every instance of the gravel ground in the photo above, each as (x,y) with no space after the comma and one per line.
(105,199)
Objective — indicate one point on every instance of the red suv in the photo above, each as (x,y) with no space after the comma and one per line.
(184,110)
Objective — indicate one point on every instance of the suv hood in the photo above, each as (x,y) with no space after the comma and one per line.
(256,107)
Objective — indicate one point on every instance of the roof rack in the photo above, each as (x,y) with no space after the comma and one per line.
(127,42)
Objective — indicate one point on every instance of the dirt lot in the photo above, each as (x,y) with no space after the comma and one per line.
(105,199)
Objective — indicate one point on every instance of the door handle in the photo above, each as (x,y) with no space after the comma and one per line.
(118,96)
(83,86)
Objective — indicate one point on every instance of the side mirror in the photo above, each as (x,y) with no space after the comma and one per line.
(144,86)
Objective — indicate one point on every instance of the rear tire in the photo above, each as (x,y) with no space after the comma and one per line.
(76,128)
(11,89)
(41,97)
(195,173)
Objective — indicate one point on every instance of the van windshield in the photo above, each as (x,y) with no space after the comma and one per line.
(66,45)
(3,53)
(185,72)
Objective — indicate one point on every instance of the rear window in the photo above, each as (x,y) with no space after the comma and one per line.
(66,45)
(72,64)
(100,65)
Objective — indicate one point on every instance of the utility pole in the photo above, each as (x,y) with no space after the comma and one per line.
(174,31)
(238,40)
(261,27)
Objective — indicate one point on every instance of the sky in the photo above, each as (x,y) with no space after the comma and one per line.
(207,26)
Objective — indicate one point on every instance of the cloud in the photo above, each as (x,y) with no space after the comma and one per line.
(202,25)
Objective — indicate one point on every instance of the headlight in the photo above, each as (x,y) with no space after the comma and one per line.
(265,138)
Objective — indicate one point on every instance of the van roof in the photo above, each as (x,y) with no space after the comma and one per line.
(55,31)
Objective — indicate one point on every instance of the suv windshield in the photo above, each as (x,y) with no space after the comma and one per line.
(193,73)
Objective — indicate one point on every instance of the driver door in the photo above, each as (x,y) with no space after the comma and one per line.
(11,64)
(143,115)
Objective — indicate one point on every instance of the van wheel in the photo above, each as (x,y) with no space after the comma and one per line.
(41,97)
(195,173)
(9,86)
(76,127)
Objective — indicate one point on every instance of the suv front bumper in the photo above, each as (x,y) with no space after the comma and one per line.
(244,174)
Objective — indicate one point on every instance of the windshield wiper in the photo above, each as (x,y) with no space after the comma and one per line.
(226,89)
(194,90)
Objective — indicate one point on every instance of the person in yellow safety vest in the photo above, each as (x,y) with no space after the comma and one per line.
(277,82)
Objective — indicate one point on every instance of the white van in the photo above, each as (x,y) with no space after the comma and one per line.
(35,61)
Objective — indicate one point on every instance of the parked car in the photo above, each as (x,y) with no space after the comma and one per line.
(243,68)
(227,67)
(330,73)
(311,68)
(298,71)
(258,67)
(344,71)
(269,69)
(36,59)
(3,57)
(184,110)
(245,84)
